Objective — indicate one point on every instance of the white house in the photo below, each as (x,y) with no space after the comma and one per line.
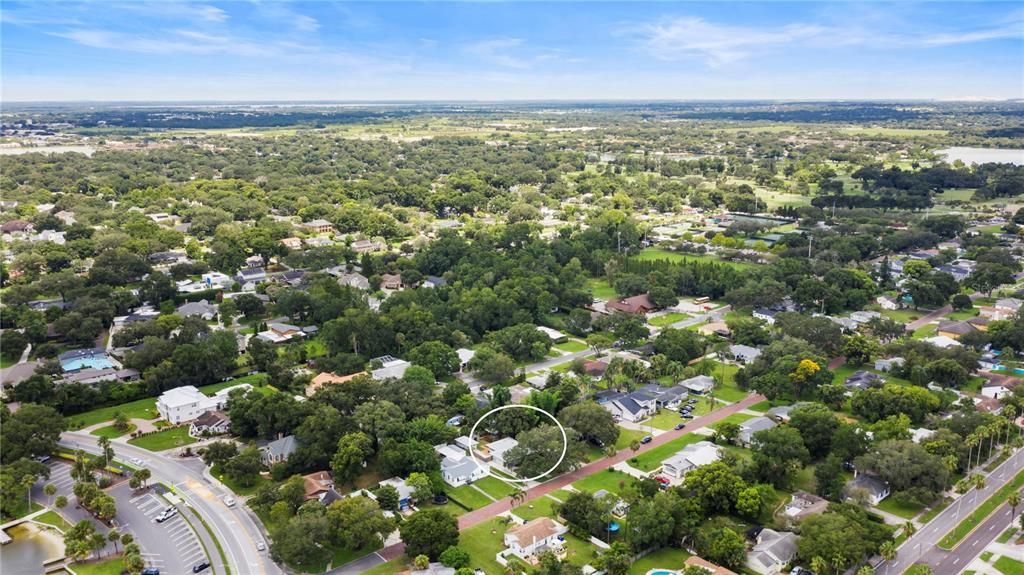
(212,422)
(767,315)
(555,335)
(699,384)
(533,537)
(186,403)
(751,426)
(744,353)
(690,458)
(773,551)
(631,407)
(995,391)
(887,302)
(462,471)
(465,356)
(874,488)
(498,449)
(390,368)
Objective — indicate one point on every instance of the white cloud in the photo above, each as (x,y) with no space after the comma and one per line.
(304,23)
(211,13)
(1012,31)
(691,37)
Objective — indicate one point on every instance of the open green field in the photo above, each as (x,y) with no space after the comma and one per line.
(736,418)
(101,567)
(483,542)
(495,487)
(774,199)
(904,315)
(664,558)
(610,480)
(468,495)
(899,508)
(601,289)
(727,390)
(984,510)
(656,254)
(962,315)
(956,194)
(167,439)
(627,436)
(651,460)
(667,319)
(539,507)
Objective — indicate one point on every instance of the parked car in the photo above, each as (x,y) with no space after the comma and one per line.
(150,571)
(647,439)
(166,514)
(679,426)
(201,566)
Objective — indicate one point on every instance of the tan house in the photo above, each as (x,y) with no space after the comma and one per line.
(316,484)
(638,304)
(711,568)
(533,537)
(292,243)
(955,329)
(319,227)
(327,378)
(391,281)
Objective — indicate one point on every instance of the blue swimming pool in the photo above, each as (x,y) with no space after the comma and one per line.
(95,362)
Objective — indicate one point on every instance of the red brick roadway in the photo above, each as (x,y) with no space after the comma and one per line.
(505,503)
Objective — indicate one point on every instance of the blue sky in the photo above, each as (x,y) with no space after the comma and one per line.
(267,50)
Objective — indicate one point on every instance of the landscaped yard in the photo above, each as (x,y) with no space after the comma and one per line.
(655,254)
(110,432)
(468,496)
(53,518)
(664,558)
(343,556)
(389,568)
(1006,535)
(21,509)
(571,346)
(1009,566)
(726,389)
(736,418)
(167,439)
(901,509)
(495,487)
(667,319)
(650,460)
(962,315)
(102,567)
(233,485)
(539,507)
(627,436)
(610,480)
(601,290)
(667,419)
(483,542)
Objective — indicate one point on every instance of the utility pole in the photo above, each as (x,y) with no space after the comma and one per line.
(810,242)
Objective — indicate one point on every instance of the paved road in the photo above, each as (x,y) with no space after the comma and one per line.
(921,546)
(236,530)
(929,317)
(714,315)
(504,504)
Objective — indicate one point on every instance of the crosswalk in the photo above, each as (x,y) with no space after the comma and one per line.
(60,477)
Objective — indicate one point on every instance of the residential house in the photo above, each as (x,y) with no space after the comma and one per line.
(555,335)
(751,426)
(434,282)
(959,273)
(920,434)
(318,242)
(744,353)
(780,413)
(49,236)
(690,458)
(354,279)
(139,314)
(465,356)
(390,367)
(251,277)
(766,315)
(214,280)
(638,304)
(699,384)
(772,552)
(254,261)
(994,391)
(619,509)
(167,258)
(497,450)
(391,281)
(17,229)
(533,537)
(873,488)
(319,227)
(979,323)
(862,317)
(802,505)
(433,568)
(861,380)
(405,499)
(201,308)
(709,567)
(631,407)
(887,302)
(942,341)
(213,422)
(1008,306)
(92,376)
(317,484)
(955,329)
(292,243)
(539,381)
(78,359)
(278,332)
(181,404)
(366,246)
(293,278)
(458,468)
(887,364)
(279,450)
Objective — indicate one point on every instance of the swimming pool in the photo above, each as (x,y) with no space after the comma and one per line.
(95,362)
(662,572)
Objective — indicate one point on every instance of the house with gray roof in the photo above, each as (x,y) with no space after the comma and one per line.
(872,487)
(201,308)
(279,450)
(744,353)
(699,384)
(773,551)
(751,426)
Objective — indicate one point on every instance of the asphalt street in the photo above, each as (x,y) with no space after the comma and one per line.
(233,527)
(921,547)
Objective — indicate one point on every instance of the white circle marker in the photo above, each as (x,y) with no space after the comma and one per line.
(565,441)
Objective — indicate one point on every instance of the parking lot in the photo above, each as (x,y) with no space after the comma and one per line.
(170,546)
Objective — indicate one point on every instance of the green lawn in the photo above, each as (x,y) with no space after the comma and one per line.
(1009,566)
(315,347)
(736,418)
(665,558)
(651,460)
(984,510)
(6,362)
(934,510)
(483,542)
(571,346)
(53,518)
(667,419)
(539,507)
(904,315)
(962,315)
(900,508)
(925,331)
(656,254)
(390,568)
(626,436)
(233,485)
(468,496)
(110,432)
(102,567)
(600,289)
(577,551)
(610,480)
(767,404)
(1006,535)
(667,319)
(727,390)
(167,439)
(495,487)
(343,556)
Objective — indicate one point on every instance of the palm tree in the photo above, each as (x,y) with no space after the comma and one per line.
(114,537)
(978,480)
(50,490)
(1010,411)
(1013,501)
(909,529)
(818,564)
(108,452)
(888,550)
(98,541)
(971,441)
(61,502)
(866,570)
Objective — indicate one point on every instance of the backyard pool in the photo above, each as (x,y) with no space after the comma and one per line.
(662,572)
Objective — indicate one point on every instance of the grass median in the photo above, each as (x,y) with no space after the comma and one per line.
(957,534)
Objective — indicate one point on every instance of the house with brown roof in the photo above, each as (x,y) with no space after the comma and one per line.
(391,281)
(955,329)
(17,228)
(316,484)
(292,243)
(711,568)
(594,368)
(638,304)
(803,504)
(213,422)
(533,537)
(319,226)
